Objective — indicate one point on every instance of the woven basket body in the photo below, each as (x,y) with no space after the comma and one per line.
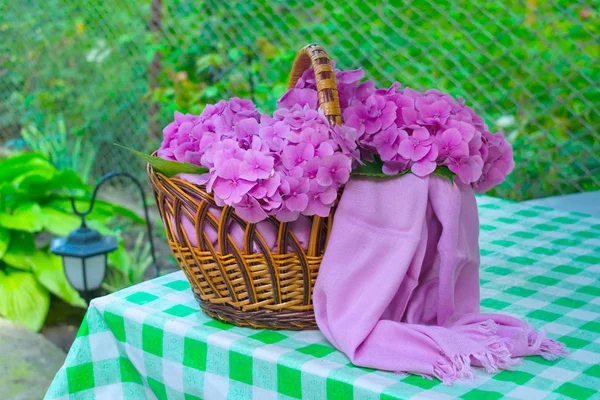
(246,278)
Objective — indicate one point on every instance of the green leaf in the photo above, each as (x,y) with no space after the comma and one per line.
(20,164)
(66,182)
(49,271)
(235,54)
(210,91)
(31,179)
(116,209)
(119,260)
(4,241)
(443,171)
(100,227)
(63,204)
(166,167)
(23,299)
(58,222)
(21,246)
(27,217)
(374,168)
(103,211)
(127,267)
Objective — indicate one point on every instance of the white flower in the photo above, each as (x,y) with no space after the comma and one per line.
(99,53)
(506,120)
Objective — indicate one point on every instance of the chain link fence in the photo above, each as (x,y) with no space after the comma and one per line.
(76,77)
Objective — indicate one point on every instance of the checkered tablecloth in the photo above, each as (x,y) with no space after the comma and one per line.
(152,341)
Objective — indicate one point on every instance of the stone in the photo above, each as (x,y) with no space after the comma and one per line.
(28,362)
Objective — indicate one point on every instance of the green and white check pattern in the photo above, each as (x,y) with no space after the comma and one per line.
(152,341)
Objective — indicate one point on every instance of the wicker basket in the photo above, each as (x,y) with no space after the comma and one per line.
(259,289)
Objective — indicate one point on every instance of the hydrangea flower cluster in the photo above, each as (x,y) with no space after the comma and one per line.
(420,132)
(285,165)
(294,162)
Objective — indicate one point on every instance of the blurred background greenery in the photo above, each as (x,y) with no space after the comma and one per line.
(76,77)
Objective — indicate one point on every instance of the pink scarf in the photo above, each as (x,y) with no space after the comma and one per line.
(398,288)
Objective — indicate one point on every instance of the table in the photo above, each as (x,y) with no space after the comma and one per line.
(152,341)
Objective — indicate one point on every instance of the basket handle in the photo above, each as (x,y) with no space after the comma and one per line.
(316,56)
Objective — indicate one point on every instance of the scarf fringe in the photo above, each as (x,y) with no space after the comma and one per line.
(544,346)
(496,356)
(449,370)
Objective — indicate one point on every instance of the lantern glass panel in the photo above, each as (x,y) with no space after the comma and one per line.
(95,268)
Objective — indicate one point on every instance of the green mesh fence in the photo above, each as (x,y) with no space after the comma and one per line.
(76,77)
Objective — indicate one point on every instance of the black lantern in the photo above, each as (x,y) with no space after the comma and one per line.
(84,253)
(85,250)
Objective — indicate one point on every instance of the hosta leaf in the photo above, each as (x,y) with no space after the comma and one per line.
(166,167)
(33,178)
(67,182)
(27,217)
(100,227)
(22,163)
(4,241)
(49,271)
(115,209)
(58,222)
(12,196)
(23,298)
(99,212)
(61,222)
(21,246)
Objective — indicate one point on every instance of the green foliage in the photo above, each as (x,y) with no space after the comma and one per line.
(375,169)
(62,149)
(129,266)
(23,298)
(62,60)
(445,172)
(372,168)
(167,167)
(34,204)
(535,65)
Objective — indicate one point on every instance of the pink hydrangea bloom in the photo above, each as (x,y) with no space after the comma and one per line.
(177,139)
(417,145)
(450,143)
(320,200)
(498,163)
(294,162)
(229,185)
(266,188)
(293,156)
(334,169)
(369,118)
(256,166)
(347,82)
(345,137)
(249,209)
(301,97)
(468,169)
(293,190)
(387,142)
(427,164)
(395,166)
